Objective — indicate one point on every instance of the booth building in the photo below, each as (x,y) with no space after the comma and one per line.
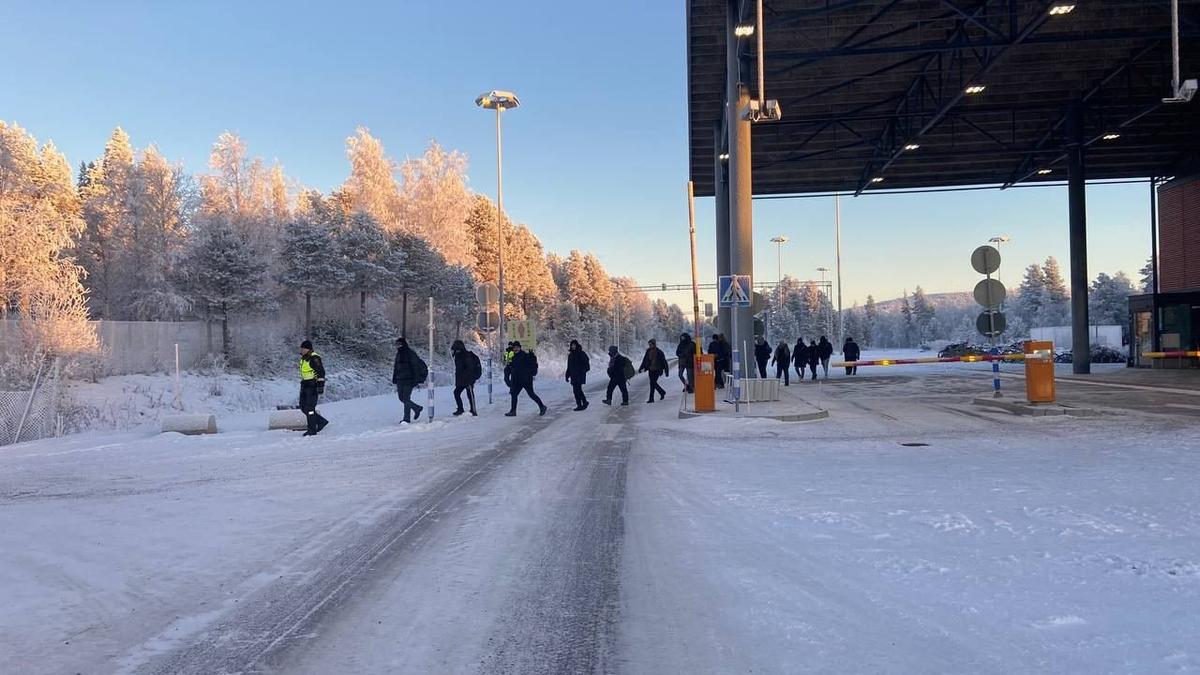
(1169,318)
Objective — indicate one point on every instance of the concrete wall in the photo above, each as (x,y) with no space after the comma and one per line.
(141,346)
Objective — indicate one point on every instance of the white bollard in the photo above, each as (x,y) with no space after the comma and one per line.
(292,420)
(190,425)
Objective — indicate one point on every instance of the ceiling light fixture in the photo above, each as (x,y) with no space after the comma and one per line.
(1061,9)
(743,30)
(912,146)
(877,179)
(1111,137)
(1044,172)
(975,89)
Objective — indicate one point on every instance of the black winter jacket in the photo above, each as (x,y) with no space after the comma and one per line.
(783,355)
(464,369)
(521,369)
(655,362)
(408,368)
(814,354)
(824,348)
(686,351)
(578,364)
(762,352)
(800,354)
(616,368)
(851,351)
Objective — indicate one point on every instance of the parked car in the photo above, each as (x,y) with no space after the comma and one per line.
(962,349)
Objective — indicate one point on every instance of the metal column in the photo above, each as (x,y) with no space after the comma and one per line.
(1081,350)
(1156,335)
(741,229)
(721,198)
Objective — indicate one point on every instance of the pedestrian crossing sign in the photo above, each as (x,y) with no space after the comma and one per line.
(734,290)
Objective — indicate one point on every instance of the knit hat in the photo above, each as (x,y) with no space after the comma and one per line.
(307,344)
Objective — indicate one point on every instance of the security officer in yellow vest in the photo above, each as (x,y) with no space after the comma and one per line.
(312,385)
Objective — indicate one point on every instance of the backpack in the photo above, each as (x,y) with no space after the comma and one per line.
(629,371)
(534,369)
(420,370)
(476,367)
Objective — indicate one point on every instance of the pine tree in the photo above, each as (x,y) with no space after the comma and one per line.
(1147,276)
(1029,301)
(908,326)
(369,259)
(870,322)
(227,275)
(312,263)
(110,230)
(923,314)
(1108,301)
(1056,299)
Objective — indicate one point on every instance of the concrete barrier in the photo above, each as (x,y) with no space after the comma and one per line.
(190,425)
(292,420)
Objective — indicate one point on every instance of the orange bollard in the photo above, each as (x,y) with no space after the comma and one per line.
(706,383)
(1039,372)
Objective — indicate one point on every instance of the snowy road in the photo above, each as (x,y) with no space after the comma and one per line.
(614,540)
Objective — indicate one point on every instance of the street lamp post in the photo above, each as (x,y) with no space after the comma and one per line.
(997,240)
(823,271)
(499,101)
(779,241)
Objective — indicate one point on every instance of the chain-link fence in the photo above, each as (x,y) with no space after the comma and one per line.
(34,413)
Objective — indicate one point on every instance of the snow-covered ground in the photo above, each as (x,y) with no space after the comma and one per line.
(614,540)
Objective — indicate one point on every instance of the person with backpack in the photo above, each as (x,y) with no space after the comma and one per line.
(686,353)
(312,385)
(714,349)
(467,371)
(814,357)
(620,371)
(800,357)
(578,364)
(519,373)
(655,363)
(762,354)
(850,354)
(408,371)
(825,351)
(782,361)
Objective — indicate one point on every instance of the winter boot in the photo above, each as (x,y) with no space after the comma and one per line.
(511,413)
(458,412)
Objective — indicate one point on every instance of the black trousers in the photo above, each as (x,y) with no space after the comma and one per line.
(308,405)
(655,386)
(851,370)
(720,379)
(580,399)
(404,391)
(813,366)
(617,384)
(762,369)
(515,390)
(688,377)
(470,389)
(781,370)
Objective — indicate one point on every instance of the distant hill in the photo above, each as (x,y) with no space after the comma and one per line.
(960,300)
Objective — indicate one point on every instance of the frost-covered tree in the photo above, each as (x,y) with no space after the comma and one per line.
(434,203)
(1147,276)
(312,263)
(1056,299)
(39,224)
(1028,305)
(239,192)
(454,296)
(870,322)
(226,275)
(368,258)
(1108,302)
(110,229)
(159,210)
(923,315)
(371,186)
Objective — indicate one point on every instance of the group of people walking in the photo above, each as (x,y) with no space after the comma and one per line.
(409,371)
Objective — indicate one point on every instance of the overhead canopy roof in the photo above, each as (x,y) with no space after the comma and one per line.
(858,80)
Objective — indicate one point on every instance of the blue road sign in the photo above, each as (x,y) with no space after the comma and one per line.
(734,290)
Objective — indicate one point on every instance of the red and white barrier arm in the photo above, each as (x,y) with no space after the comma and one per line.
(1172,355)
(981,358)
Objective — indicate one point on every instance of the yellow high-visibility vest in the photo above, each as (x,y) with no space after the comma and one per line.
(306,369)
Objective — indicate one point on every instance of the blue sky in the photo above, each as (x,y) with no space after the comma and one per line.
(595,159)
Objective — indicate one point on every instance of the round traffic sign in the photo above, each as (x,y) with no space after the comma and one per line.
(487,294)
(985,260)
(991,324)
(990,293)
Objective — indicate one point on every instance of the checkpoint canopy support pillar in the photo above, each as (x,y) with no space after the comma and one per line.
(721,197)
(1081,352)
(741,206)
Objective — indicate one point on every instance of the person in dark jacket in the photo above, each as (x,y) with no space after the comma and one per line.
(762,354)
(850,353)
(714,349)
(519,374)
(782,361)
(408,371)
(655,363)
(467,370)
(312,385)
(724,354)
(619,367)
(686,353)
(800,357)
(825,351)
(578,364)
(814,357)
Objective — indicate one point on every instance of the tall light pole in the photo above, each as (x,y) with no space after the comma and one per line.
(499,101)
(997,240)
(823,270)
(837,228)
(779,242)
